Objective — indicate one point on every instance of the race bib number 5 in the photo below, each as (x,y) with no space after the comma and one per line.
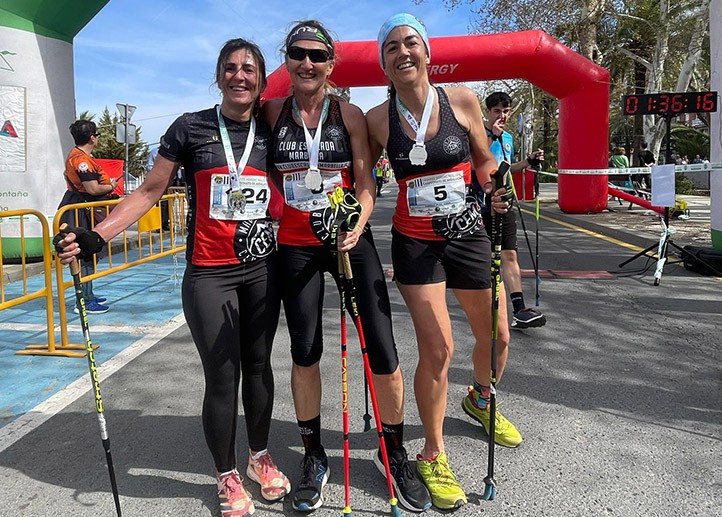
(250,202)
(436,194)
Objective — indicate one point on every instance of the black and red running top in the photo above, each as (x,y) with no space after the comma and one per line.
(307,215)
(218,236)
(435,200)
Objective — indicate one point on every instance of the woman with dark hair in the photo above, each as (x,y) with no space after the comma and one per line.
(230,288)
(321,142)
(435,138)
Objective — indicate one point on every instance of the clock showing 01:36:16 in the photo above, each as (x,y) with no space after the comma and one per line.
(669,103)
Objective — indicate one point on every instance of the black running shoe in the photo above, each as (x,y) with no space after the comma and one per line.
(307,495)
(528,318)
(410,490)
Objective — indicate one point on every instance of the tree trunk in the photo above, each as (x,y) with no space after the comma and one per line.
(694,49)
(592,11)
(654,129)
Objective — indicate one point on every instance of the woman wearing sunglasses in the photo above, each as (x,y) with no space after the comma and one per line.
(320,142)
(231,291)
(435,138)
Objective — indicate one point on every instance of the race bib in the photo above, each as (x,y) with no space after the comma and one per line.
(250,202)
(436,194)
(301,198)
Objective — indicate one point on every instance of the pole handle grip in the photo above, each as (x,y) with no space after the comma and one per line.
(345,262)
(75,264)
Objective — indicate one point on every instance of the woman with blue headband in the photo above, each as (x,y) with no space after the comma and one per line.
(321,142)
(435,140)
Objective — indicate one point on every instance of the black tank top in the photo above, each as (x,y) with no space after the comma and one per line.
(447,152)
(301,226)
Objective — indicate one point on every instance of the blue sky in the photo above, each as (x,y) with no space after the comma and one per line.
(159,55)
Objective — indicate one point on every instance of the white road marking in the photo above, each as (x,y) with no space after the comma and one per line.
(34,418)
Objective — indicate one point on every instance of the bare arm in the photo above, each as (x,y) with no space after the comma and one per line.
(141,200)
(525,164)
(130,209)
(270,111)
(365,183)
(378,127)
(94,188)
(468,112)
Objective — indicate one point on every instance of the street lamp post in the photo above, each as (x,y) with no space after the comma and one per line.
(126,111)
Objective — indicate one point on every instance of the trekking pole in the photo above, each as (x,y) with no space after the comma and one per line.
(367,415)
(75,272)
(523,226)
(344,397)
(536,239)
(347,212)
(347,277)
(499,181)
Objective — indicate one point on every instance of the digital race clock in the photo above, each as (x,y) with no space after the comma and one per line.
(669,103)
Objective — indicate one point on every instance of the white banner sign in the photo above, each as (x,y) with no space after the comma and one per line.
(12,129)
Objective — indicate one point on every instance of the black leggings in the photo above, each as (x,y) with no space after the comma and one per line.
(232,313)
(302,269)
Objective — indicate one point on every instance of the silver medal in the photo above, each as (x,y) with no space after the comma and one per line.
(313,180)
(418,155)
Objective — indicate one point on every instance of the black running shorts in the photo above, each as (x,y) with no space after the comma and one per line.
(461,263)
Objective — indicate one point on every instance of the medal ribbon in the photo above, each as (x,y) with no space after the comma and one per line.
(226,140)
(313,144)
(420,128)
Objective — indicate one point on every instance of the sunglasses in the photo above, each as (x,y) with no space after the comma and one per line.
(96,134)
(316,55)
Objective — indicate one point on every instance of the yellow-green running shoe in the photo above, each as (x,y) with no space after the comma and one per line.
(446,492)
(505,434)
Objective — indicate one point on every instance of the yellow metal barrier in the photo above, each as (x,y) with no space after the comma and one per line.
(45,292)
(157,247)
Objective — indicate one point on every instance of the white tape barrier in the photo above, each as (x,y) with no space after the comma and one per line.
(641,170)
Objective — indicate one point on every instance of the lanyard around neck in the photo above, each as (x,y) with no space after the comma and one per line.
(421,127)
(500,139)
(230,159)
(313,144)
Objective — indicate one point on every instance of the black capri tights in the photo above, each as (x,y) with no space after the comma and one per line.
(303,290)
(232,313)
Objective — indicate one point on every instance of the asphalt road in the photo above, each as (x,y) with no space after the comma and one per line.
(618,398)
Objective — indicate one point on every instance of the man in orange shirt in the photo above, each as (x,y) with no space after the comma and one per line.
(86,178)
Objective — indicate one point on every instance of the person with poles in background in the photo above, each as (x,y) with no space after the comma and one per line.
(320,142)
(432,136)
(380,173)
(86,182)
(501,143)
(230,287)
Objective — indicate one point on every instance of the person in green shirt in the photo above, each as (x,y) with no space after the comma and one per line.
(619,159)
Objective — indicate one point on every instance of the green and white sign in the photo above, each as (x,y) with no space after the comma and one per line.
(37,105)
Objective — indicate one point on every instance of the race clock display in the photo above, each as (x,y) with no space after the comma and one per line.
(669,103)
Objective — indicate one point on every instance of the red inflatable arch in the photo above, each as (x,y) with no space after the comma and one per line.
(581,87)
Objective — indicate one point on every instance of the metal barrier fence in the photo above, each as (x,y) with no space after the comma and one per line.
(45,292)
(149,246)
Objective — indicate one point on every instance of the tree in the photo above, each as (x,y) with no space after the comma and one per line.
(647,45)
(108,147)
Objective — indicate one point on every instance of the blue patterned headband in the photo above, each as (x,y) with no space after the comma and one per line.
(399,20)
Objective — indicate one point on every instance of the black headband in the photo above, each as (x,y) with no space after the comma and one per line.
(309,33)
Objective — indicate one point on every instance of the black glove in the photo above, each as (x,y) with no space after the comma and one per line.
(533,162)
(90,242)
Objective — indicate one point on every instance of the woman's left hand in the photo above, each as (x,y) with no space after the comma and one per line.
(348,240)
